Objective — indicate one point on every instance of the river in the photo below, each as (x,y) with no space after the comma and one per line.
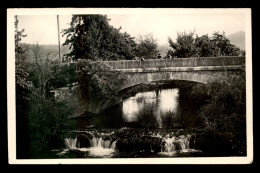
(138,127)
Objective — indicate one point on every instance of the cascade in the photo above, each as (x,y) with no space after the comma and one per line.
(99,142)
(71,143)
(172,144)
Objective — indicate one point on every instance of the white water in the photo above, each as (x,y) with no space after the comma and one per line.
(172,143)
(99,147)
(100,143)
(71,143)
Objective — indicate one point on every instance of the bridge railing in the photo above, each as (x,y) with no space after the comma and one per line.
(177,62)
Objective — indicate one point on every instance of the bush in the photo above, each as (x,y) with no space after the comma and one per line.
(47,116)
(99,80)
(225,113)
(228,98)
(169,119)
(48,123)
(146,117)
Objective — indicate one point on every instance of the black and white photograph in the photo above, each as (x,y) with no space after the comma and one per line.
(129,86)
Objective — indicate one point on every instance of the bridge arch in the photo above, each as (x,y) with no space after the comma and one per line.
(194,76)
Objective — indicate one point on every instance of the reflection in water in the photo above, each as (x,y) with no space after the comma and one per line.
(113,141)
(165,100)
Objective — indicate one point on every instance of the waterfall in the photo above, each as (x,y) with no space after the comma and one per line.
(113,146)
(99,142)
(172,144)
(71,143)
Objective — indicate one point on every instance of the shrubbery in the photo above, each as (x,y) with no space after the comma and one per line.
(41,121)
(225,112)
(47,116)
(169,119)
(48,123)
(146,117)
(97,79)
(187,45)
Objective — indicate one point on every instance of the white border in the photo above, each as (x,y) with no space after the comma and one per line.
(63,11)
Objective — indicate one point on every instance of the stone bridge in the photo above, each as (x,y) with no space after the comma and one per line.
(202,69)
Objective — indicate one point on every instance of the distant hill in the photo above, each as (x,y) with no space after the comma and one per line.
(163,49)
(238,39)
(54,49)
(51,50)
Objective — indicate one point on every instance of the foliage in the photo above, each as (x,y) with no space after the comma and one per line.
(184,46)
(42,70)
(91,37)
(188,46)
(48,122)
(21,65)
(48,117)
(45,50)
(224,45)
(228,101)
(192,96)
(147,47)
(99,80)
(146,117)
(205,46)
(169,119)
(22,86)
(49,73)
(226,110)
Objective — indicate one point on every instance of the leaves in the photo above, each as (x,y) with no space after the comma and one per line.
(91,37)
(204,46)
(147,47)
(227,99)
(185,45)
(99,79)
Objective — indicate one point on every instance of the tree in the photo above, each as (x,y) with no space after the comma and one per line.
(188,46)
(48,116)
(97,79)
(43,70)
(91,37)
(48,123)
(147,47)
(224,45)
(22,86)
(205,46)
(20,59)
(225,113)
(184,46)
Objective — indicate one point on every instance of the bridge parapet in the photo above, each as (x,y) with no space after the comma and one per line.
(159,64)
(177,62)
(203,69)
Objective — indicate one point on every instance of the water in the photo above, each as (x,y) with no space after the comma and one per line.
(120,141)
(70,143)
(98,146)
(164,100)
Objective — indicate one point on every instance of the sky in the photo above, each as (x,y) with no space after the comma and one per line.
(42,29)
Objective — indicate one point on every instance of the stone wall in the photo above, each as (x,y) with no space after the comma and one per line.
(165,63)
(177,62)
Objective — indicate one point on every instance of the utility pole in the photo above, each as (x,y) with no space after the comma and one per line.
(59,36)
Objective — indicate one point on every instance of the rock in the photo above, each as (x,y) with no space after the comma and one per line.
(83,141)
